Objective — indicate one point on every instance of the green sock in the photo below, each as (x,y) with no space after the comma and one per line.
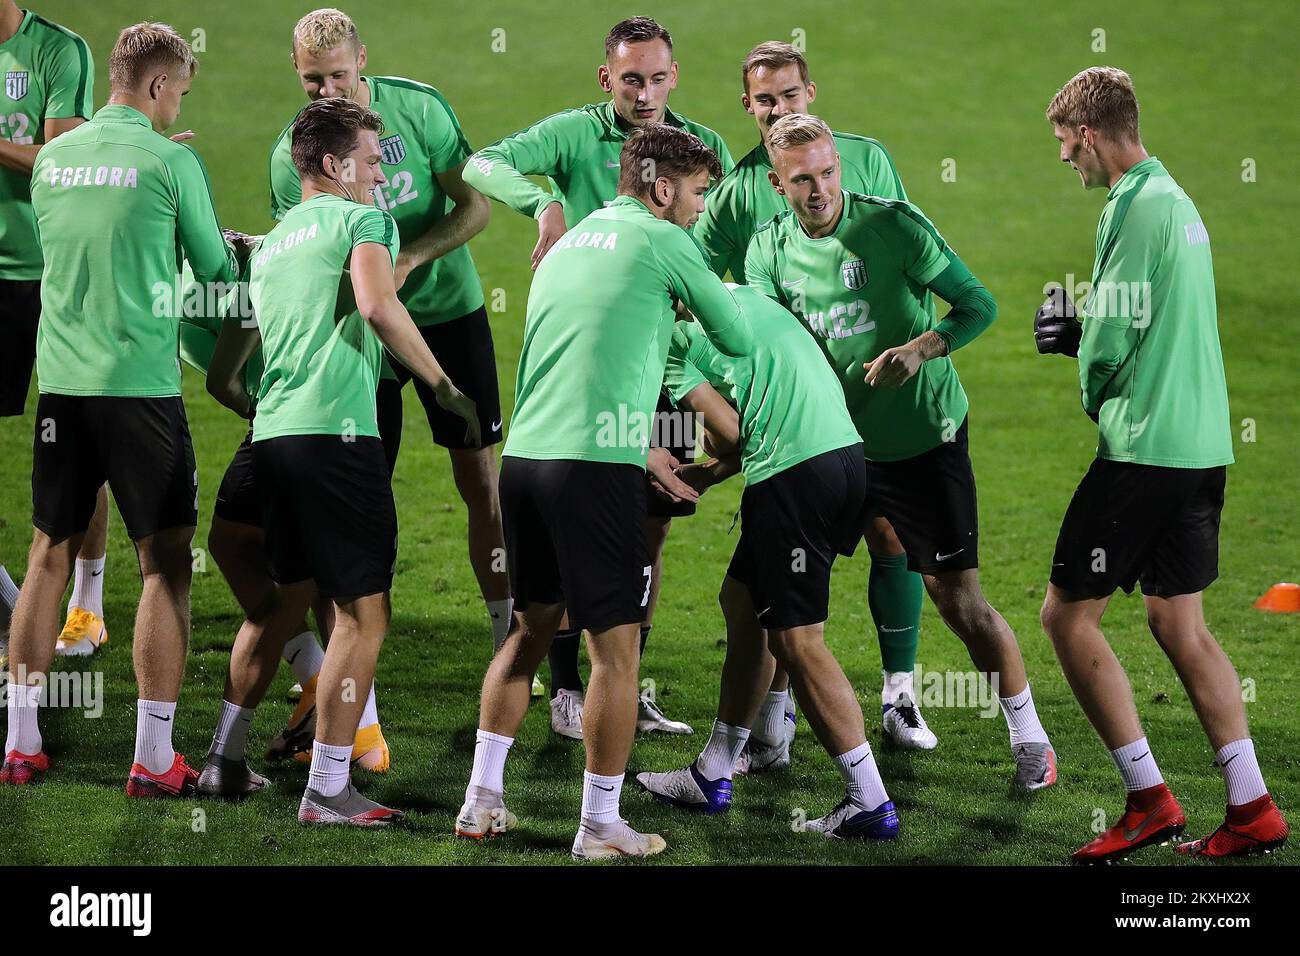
(894,596)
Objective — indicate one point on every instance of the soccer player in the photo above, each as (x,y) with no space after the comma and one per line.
(322,475)
(856,270)
(805,491)
(424,153)
(49,88)
(1147,511)
(238,545)
(776,83)
(573,490)
(114,199)
(578,151)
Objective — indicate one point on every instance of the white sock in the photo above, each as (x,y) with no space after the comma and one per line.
(1241,772)
(486,779)
(8,590)
(231,738)
(153,734)
(502,614)
(600,798)
(22,705)
(88,586)
(861,777)
(718,758)
(1137,766)
(769,729)
(329,768)
(1022,719)
(369,713)
(305,656)
(894,683)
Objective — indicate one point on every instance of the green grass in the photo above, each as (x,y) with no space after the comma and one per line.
(966,82)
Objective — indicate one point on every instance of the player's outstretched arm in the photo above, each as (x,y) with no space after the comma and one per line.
(376,296)
(211,256)
(468,217)
(236,343)
(693,283)
(722,436)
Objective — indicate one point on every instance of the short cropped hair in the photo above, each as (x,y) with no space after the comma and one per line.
(635,30)
(322,30)
(329,126)
(1100,97)
(773,54)
(657,149)
(146,48)
(796,129)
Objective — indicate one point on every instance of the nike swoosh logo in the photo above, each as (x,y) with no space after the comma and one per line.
(858,761)
(1230,760)
(1022,705)
(295,656)
(337,759)
(945,557)
(1132,835)
(160,717)
(606,789)
(95,574)
(791,283)
(1136,759)
(610,165)
(764,611)
(496,425)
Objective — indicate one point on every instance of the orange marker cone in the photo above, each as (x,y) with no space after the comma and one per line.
(1281,598)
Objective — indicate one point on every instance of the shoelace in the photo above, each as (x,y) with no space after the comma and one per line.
(652,708)
(909,715)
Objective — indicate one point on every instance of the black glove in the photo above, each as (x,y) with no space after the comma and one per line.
(1055,327)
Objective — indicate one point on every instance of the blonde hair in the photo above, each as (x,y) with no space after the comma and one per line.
(322,30)
(796,129)
(773,54)
(147,47)
(1100,97)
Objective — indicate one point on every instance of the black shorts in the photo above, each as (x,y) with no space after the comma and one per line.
(1128,523)
(930,500)
(328,513)
(792,526)
(463,347)
(20,312)
(237,497)
(575,535)
(140,446)
(675,430)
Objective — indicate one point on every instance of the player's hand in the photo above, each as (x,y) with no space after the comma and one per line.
(459,404)
(698,474)
(893,367)
(662,467)
(550,226)
(1056,330)
(242,243)
(401,269)
(181,137)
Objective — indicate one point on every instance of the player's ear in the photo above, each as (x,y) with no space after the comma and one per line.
(672,76)
(156,86)
(812,91)
(602,77)
(361,58)
(745,102)
(775,180)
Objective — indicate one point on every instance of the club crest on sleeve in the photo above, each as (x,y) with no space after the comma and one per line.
(16,84)
(392,150)
(854,274)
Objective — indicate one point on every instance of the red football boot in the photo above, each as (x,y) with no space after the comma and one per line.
(1255,827)
(1150,816)
(178,781)
(20,769)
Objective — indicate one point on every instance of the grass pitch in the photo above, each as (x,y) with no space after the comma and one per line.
(949,88)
